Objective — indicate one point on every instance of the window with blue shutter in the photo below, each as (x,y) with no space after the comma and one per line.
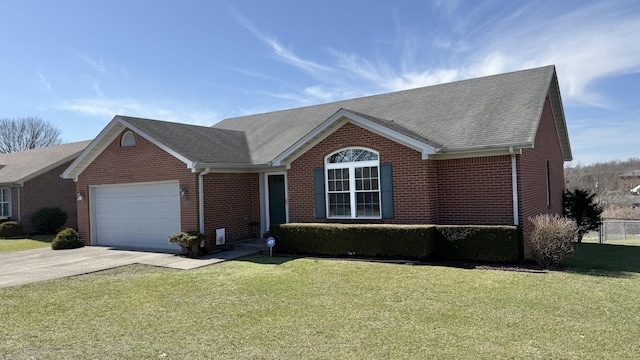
(351,186)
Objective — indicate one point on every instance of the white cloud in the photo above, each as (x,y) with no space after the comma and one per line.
(107,108)
(45,83)
(283,53)
(586,44)
(96,64)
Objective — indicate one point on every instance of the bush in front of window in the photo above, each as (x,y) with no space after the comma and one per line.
(479,243)
(414,242)
(48,220)
(9,229)
(66,239)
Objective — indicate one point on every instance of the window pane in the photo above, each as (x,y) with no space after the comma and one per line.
(351,155)
(367,204)
(4,209)
(339,204)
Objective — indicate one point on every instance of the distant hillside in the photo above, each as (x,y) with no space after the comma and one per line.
(600,178)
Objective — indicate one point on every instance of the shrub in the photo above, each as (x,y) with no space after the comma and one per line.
(384,241)
(4,219)
(479,243)
(48,220)
(420,242)
(581,206)
(66,239)
(10,229)
(552,239)
(189,241)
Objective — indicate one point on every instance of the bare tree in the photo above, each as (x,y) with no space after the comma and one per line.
(27,133)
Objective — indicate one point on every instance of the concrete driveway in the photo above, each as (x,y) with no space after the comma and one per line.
(27,266)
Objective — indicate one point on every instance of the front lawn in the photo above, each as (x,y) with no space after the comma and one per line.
(301,308)
(33,242)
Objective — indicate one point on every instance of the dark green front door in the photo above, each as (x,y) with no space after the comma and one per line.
(277,206)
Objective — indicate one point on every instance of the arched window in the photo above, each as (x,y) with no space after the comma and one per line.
(128,139)
(353,184)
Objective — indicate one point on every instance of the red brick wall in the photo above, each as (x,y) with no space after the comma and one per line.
(532,172)
(475,191)
(458,191)
(144,162)
(414,179)
(232,201)
(48,190)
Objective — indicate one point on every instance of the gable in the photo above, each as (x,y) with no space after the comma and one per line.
(195,146)
(337,121)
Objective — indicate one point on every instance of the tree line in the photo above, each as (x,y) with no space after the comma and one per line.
(599,178)
(27,133)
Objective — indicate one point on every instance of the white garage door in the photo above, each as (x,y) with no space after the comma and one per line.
(137,215)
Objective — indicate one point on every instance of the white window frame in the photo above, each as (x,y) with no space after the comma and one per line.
(5,198)
(352,183)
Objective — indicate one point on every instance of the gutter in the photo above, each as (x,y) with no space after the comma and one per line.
(201,197)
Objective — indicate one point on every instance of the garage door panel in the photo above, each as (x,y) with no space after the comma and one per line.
(137,215)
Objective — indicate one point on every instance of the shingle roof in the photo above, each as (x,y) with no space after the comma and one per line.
(489,111)
(201,144)
(470,115)
(21,166)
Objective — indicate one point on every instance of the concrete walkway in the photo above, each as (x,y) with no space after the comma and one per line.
(27,266)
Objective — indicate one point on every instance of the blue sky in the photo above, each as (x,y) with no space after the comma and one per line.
(79,63)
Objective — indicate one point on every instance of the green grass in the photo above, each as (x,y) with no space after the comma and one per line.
(293,308)
(33,242)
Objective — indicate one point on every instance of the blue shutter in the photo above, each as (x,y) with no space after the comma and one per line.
(386,191)
(318,193)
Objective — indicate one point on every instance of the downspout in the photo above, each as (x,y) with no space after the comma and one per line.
(201,198)
(19,207)
(514,186)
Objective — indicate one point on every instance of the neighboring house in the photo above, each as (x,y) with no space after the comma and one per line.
(629,182)
(482,151)
(31,180)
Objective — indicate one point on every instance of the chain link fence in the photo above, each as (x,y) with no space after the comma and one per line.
(619,231)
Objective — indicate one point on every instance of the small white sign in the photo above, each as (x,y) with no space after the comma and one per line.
(220,236)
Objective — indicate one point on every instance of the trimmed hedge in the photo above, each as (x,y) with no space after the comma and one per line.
(48,220)
(384,241)
(479,243)
(415,242)
(10,229)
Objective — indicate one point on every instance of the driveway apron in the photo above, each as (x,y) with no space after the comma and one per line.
(28,266)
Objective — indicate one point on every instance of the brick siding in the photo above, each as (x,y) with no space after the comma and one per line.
(232,201)
(475,191)
(532,173)
(462,191)
(144,162)
(48,190)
